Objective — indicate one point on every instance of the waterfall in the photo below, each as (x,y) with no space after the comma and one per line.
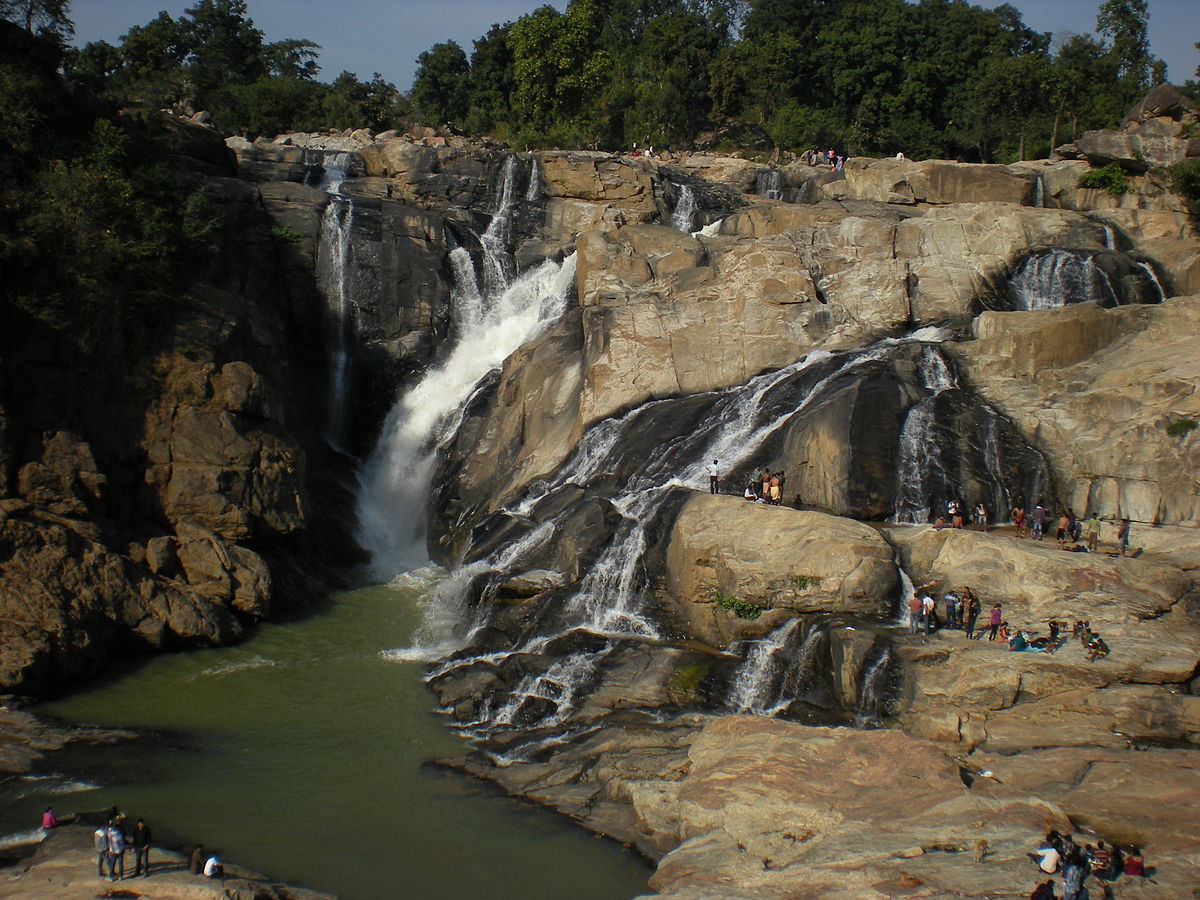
(1110,238)
(534,191)
(732,425)
(497,260)
(468,302)
(769,184)
(394,482)
(874,690)
(326,170)
(756,683)
(994,466)
(685,210)
(1153,276)
(1052,278)
(920,453)
(1039,192)
(335,277)
(907,591)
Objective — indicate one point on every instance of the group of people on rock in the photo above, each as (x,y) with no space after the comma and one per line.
(1072,533)
(955,516)
(767,486)
(1059,854)
(112,841)
(962,608)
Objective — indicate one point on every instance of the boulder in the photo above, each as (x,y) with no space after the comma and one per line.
(1098,389)
(1133,151)
(219,456)
(67,603)
(777,557)
(931,181)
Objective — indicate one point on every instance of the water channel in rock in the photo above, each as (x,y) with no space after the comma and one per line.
(304,753)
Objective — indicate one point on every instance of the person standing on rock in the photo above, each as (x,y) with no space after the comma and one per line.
(141,849)
(766,485)
(994,620)
(116,851)
(1091,531)
(972,604)
(1039,521)
(981,516)
(914,613)
(100,839)
(714,478)
(776,488)
(927,605)
(952,609)
(1018,517)
(1123,537)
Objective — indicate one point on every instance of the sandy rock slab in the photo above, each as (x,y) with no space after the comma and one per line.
(772,809)
(776,557)
(64,868)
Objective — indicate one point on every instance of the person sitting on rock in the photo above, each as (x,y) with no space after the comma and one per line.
(1135,865)
(749,493)
(1018,642)
(1101,861)
(1047,856)
(1096,648)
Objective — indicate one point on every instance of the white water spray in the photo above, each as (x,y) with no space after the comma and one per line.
(394,482)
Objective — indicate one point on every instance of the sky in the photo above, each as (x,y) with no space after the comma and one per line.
(386,36)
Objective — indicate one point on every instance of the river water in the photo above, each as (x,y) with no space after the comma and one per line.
(302,753)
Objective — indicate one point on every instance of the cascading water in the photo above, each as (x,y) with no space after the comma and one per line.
(394,482)
(684,216)
(1039,192)
(534,192)
(1053,278)
(874,689)
(731,425)
(335,276)
(497,260)
(1152,277)
(920,457)
(769,184)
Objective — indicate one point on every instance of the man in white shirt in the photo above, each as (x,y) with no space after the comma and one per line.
(714,478)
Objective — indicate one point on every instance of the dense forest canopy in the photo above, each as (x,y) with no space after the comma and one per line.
(931,78)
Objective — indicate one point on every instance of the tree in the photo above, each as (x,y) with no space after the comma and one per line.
(441,86)
(48,18)
(292,58)
(1126,23)
(224,46)
(491,81)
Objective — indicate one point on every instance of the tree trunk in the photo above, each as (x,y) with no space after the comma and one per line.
(1021,147)
(1054,131)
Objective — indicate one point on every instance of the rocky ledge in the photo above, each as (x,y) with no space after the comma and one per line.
(63,867)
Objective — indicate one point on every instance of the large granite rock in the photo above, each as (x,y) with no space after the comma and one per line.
(776,557)
(67,601)
(1097,389)
(933,181)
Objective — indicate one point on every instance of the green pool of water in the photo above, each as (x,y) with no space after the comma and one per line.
(302,752)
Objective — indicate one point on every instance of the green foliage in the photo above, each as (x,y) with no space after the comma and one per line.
(286,234)
(1107,178)
(440,90)
(685,682)
(1185,179)
(741,608)
(803,582)
(1181,427)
